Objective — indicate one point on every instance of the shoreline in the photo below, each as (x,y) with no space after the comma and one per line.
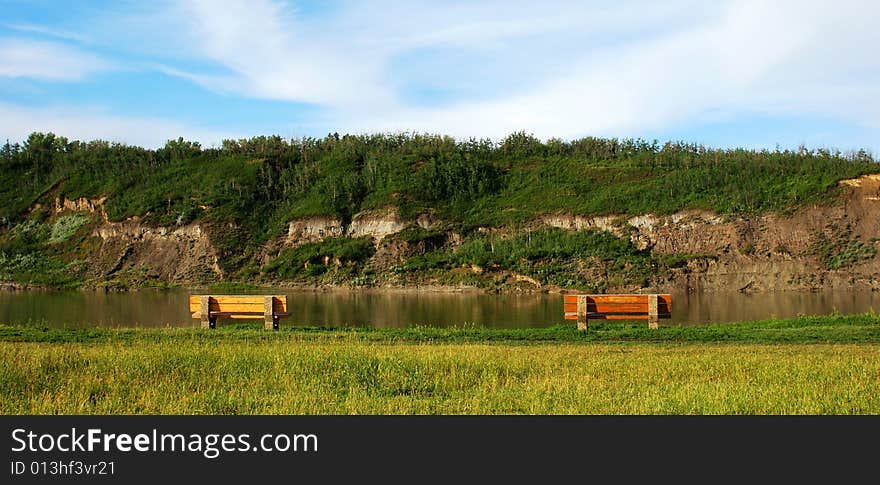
(12,286)
(859,328)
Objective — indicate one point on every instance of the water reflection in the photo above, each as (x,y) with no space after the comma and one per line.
(148,308)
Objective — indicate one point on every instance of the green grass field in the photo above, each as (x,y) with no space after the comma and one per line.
(819,365)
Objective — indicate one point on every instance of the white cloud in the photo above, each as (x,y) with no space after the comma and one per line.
(51,61)
(272,55)
(578,68)
(612,70)
(780,58)
(51,32)
(89,123)
(343,59)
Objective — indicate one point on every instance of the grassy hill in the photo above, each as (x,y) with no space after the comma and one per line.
(246,191)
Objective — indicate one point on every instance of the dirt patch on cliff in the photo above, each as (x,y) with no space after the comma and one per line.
(312,229)
(82,204)
(818,246)
(133,252)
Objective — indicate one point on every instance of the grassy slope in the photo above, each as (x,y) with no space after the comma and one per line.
(258,185)
(750,368)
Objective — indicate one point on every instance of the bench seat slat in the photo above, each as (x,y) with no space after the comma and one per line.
(255,314)
(240,307)
(618,298)
(234,298)
(618,317)
(240,315)
(600,314)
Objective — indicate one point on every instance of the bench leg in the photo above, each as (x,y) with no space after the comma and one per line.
(582,313)
(205,311)
(270,321)
(653,313)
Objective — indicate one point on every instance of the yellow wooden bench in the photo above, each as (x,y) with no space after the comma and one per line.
(617,307)
(269,308)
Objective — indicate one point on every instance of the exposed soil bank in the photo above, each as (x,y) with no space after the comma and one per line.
(834,246)
(809,249)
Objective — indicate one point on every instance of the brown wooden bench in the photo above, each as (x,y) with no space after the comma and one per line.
(269,308)
(617,307)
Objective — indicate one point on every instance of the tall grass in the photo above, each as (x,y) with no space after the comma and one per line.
(810,365)
(372,378)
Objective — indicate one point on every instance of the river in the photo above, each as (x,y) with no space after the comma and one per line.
(389,308)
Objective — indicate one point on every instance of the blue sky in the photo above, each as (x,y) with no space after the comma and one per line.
(726,73)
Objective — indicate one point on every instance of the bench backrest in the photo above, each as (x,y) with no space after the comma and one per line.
(617,307)
(239,306)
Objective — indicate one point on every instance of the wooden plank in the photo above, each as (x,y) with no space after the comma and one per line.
(237,298)
(620,317)
(239,307)
(234,298)
(215,304)
(610,298)
(602,316)
(623,307)
(616,309)
(240,316)
(236,307)
(231,298)
(279,303)
(611,317)
(634,298)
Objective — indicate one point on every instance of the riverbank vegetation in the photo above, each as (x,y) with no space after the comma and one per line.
(244,192)
(802,330)
(820,365)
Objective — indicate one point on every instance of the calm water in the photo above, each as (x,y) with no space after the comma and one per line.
(149,308)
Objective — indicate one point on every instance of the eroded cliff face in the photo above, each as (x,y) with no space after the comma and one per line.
(821,246)
(313,229)
(82,204)
(763,253)
(132,250)
(810,249)
(374,224)
(770,252)
(613,224)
